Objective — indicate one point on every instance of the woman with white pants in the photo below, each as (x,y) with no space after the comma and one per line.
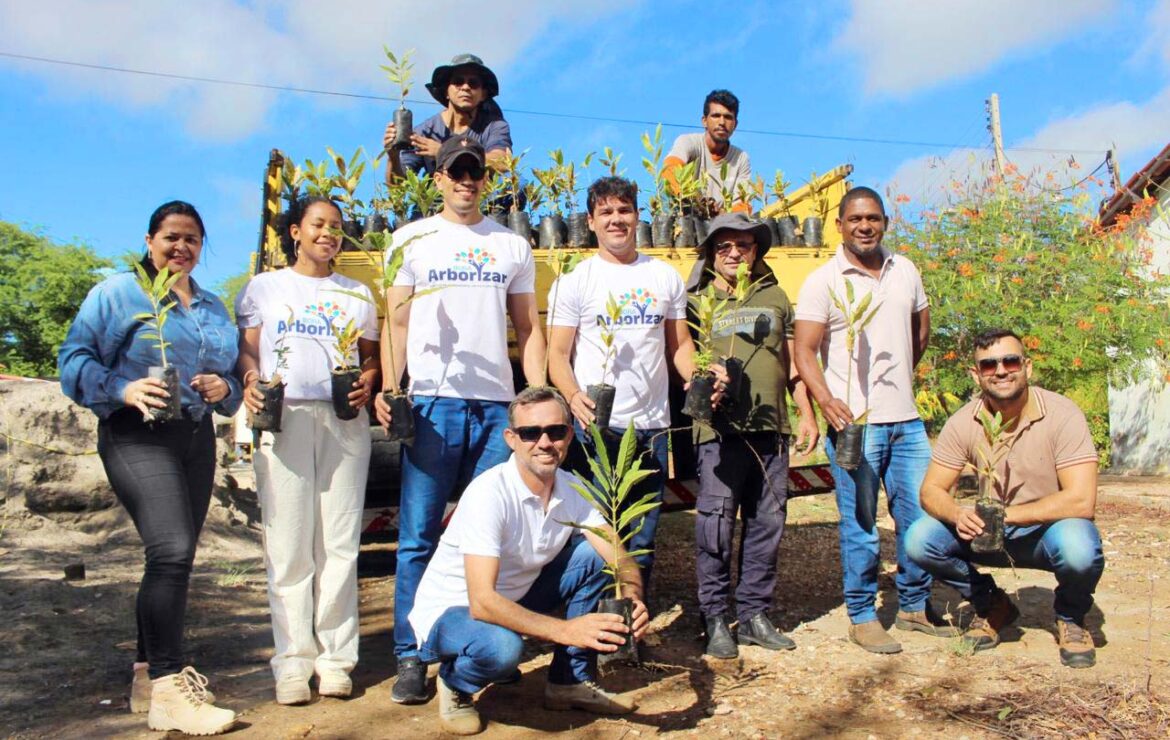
(311,475)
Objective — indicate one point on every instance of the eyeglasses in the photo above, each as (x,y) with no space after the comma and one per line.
(473,82)
(741,247)
(1011,364)
(555,432)
(459,171)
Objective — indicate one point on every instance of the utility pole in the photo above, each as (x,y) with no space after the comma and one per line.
(1114,170)
(996,133)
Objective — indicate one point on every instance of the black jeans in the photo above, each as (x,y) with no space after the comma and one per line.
(162,474)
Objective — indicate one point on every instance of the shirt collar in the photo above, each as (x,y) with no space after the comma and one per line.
(1033,412)
(844,265)
(525,493)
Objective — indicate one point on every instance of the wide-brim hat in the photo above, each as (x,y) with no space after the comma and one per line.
(734,221)
(737,221)
(441,77)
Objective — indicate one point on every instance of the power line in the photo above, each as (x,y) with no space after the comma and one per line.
(519,111)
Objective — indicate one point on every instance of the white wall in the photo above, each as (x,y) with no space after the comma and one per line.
(1139,416)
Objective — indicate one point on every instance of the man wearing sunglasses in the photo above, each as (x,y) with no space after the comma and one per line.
(466,89)
(743,456)
(468,276)
(877,380)
(1048,481)
(508,560)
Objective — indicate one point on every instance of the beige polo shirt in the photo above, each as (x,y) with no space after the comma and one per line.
(1052,434)
(884,354)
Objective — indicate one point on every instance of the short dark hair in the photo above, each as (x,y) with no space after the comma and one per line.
(612,186)
(860,192)
(538,394)
(988,337)
(726,98)
(170,208)
(293,216)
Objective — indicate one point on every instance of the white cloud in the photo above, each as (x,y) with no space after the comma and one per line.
(299,43)
(907,46)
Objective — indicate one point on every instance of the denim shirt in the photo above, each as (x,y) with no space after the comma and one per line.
(104,350)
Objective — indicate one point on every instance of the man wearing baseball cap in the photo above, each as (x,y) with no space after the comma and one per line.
(467,90)
(468,276)
(743,456)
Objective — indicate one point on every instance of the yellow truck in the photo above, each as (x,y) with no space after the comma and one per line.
(790,264)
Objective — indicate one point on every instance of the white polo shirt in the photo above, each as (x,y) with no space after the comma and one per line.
(499,516)
(883,372)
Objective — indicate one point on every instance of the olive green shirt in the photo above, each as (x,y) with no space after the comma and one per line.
(761,325)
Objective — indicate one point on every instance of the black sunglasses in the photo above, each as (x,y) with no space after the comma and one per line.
(459,171)
(473,82)
(1011,364)
(555,432)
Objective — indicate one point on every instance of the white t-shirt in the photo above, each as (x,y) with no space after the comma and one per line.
(883,358)
(649,291)
(457,337)
(315,305)
(498,516)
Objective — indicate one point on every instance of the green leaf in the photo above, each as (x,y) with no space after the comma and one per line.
(626,451)
(848,291)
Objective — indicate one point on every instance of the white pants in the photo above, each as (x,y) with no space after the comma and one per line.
(311,480)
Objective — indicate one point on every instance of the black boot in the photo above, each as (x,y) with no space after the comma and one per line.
(759,630)
(720,643)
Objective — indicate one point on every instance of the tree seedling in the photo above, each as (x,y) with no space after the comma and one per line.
(158,293)
(609,493)
(857,316)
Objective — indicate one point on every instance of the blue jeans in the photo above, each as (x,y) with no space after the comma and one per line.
(454,441)
(652,451)
(1069,548)
(474,653)
(896,455)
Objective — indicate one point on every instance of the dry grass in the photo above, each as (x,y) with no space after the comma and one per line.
(1100,711)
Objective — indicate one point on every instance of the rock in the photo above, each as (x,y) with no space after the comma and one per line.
(75,572)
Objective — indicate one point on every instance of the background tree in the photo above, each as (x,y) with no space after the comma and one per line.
(1024,254)
(42,284)
(230,287)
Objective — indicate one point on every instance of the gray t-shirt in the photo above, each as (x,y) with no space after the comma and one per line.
(691,147)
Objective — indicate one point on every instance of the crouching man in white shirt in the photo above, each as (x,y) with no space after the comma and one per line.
(508,559)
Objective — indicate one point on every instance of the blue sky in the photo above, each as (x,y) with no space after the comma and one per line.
(88,154)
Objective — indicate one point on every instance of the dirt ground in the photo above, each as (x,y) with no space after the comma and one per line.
(68,645)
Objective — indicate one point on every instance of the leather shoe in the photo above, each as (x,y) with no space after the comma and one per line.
(720,643)
(759,630)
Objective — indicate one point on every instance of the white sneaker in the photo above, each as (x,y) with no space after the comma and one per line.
(179,702)
(587,695)
(457,712)
(140,689)
(334,683)
(293,690)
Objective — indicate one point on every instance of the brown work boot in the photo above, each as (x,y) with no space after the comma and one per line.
(587,695)
(928,621)
(1076,645)
(983,634)
(871,636)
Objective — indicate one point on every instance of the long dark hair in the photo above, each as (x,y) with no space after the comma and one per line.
(293,216)
(170,208)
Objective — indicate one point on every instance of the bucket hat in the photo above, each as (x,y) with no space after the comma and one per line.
(734,221)
(441,77)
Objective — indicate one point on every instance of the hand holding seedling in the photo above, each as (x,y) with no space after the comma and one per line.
(146,394)
(363,389)
(604,633)
(582,407)
(253,398)
(968,525)
(210,387)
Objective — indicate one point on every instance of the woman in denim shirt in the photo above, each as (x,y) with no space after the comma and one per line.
(161,472)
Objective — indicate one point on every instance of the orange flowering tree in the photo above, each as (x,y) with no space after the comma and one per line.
(1014,254)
